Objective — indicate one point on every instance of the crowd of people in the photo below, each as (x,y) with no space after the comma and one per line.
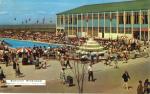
(117,50)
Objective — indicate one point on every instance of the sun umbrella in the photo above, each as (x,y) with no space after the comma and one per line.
(23,50)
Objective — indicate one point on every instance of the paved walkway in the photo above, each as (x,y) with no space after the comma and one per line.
(109,80)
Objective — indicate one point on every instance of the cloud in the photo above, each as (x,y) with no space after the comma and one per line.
(3,12)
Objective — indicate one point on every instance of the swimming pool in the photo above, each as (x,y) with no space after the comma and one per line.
(24,43)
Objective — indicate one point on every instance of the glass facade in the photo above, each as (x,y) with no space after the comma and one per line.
(123,22)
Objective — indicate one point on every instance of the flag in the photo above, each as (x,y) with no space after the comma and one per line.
(29,19)
(37,21)
(26,21)
(51,21)
(43,20)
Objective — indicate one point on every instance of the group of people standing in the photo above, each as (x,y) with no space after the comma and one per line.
(143,88)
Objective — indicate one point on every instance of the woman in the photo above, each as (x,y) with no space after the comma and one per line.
(146,87)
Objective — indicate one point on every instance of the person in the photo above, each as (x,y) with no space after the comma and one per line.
(62,75)
(125,77)
(116,61)
(2,76)
(90,73)
(140,88)
(146,87)
(68,63)
(37,63)
(18,73)
(6,59)
(14,65)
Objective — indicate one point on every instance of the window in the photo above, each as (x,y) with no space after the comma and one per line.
(113,29)
(74,19)
(120,30)
(128,18)
(101,29)
(136,18)
(107,16)
(101,16)
(79,17)
(128,31)
(121,18)
(95,16)
(66,19)
(107,29)
(70,19)
(61,19)
(144,18)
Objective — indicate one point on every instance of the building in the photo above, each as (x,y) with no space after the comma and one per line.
(110,20)
(32,28)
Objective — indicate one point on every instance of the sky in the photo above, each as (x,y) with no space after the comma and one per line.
(38,11)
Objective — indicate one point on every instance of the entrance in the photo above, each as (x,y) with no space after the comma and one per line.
(136,34)
(102,34)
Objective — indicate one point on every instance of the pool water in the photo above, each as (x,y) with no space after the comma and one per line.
(23,43)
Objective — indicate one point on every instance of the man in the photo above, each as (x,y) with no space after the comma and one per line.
(140,88)
(90,73)
(6,59)
(68,63)
(125,77)
(63,75)
(2,76)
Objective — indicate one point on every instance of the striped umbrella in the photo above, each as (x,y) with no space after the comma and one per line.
(24,50)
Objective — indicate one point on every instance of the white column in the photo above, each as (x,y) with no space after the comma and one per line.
(87,24)
(104,24)
(68,24)
(98,25)
(124,16)
(110,33)
(77,27)
(60,23)
(140,24)
(132,22)
(72,26)
(148,24)
(64,23)
(56,25)
(81,23)
(117,18)
(92,25)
